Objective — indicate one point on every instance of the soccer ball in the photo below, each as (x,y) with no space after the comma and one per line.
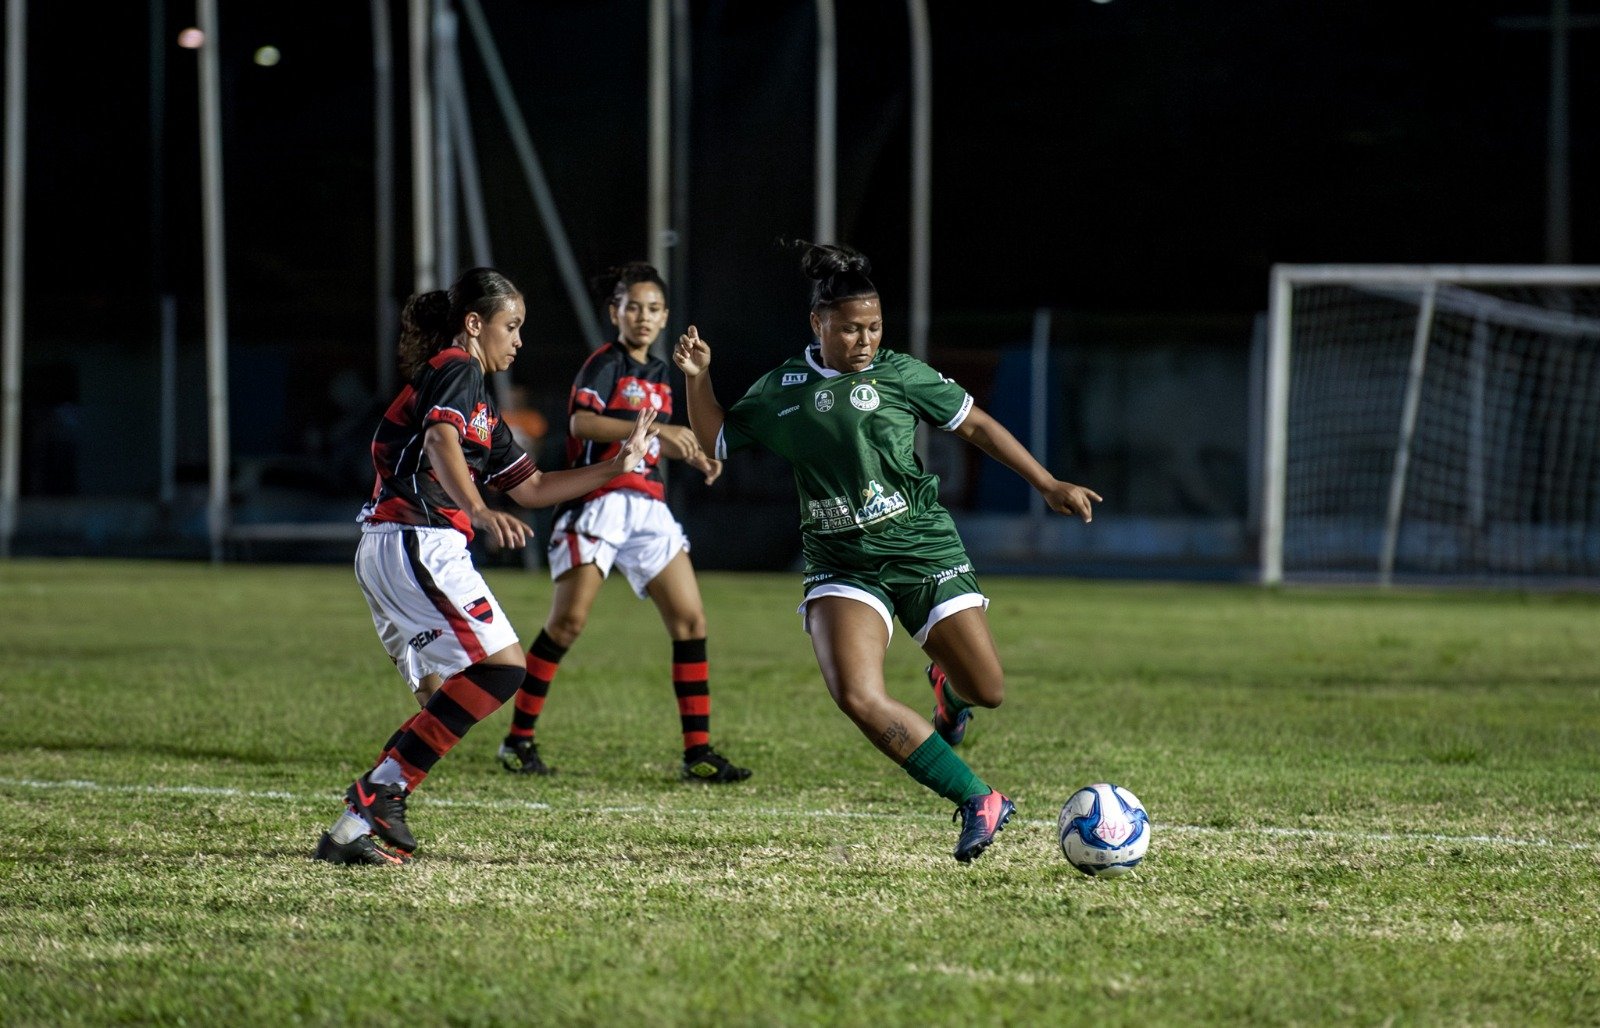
(1104,830)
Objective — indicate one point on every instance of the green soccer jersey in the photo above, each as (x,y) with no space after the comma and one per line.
(849,438)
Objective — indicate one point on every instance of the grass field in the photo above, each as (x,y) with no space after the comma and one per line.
(1369,809)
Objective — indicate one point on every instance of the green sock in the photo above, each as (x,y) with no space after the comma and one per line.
(935,765)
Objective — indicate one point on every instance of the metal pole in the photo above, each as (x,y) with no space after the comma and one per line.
(1408,429)
(1558,220)
(444,168)
(169,401)
(1274,458)
(660,159)
(522,142)
(921,186)
(11,289)
(216,288)
(826,227)
(425,273)
(386,323)
(677,271)
(466,151)
(1039,400)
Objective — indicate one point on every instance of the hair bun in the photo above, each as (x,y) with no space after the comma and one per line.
(822,260)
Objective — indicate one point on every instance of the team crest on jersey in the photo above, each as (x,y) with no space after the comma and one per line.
(794,378)
(877,506)
(864,397)
(481,609)
(481,424)
(824,400)
(632,392)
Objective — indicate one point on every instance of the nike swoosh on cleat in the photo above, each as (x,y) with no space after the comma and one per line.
(362,796)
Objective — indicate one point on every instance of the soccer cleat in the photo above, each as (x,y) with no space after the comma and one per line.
(363,849)
(981,817)
(521,756)
(951,730)
(707,765)
(384,807)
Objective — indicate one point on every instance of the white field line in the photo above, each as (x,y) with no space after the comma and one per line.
(330,799)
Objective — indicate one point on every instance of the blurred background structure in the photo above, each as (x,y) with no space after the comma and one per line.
(1074,209)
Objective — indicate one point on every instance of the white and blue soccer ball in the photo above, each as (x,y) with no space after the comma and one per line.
(1104,830)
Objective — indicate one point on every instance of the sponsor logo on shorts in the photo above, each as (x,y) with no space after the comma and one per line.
(481,609)
(422,639)
(811,580)
(864,397)
(793,378)
(824,400)
(941,577)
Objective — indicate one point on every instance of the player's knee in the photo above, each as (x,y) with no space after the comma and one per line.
(687,627)
(989,690)
(564,629)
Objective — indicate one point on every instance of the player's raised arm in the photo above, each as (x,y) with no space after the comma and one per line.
(546,488)
(692,355)
(983,431)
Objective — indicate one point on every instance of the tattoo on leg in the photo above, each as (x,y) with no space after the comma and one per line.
(894,738)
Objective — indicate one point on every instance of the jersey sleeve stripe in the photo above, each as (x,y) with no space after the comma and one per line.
(961,415)
(513,474)
(447,416)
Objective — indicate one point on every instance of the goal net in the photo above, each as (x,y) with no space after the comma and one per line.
(1432,423)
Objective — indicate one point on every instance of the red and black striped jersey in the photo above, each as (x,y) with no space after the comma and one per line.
(450,390)
(613,384)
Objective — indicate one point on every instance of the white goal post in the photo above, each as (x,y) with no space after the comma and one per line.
(1432,422)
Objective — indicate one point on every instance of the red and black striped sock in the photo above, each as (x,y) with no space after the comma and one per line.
(388,747)
(689,683)
(460,703)
(544,659)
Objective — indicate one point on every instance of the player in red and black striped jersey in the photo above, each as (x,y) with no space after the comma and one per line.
(625,524)
(439,442)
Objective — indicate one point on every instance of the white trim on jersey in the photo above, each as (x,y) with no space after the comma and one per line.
(961,415)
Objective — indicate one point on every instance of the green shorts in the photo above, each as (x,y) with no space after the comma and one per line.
(919,573)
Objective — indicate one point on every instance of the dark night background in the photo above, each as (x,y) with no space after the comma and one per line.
(1136,166)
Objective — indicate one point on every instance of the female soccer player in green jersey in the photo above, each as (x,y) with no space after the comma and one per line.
(877,544)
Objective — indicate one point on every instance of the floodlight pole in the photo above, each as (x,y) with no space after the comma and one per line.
(921,185)
(425,274)
(383,196)
(660,133)
(216,293)
(11,291)
(826,226)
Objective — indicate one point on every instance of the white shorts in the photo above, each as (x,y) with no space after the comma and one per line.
(431,607)
(630,530)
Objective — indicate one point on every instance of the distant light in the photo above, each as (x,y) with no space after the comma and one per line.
(191,39)
(267,56)
(1102,1)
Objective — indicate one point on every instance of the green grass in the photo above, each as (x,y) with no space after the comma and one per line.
(1369,808)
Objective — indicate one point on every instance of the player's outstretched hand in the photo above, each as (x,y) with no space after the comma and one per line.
(506,531)
(634,447)
(691,355)
(707,466)
(1066,498)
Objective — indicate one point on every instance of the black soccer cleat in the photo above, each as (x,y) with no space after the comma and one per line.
(521,757)
(384,808)
(951,728)
(981,817)
(363,849)
(704,764)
